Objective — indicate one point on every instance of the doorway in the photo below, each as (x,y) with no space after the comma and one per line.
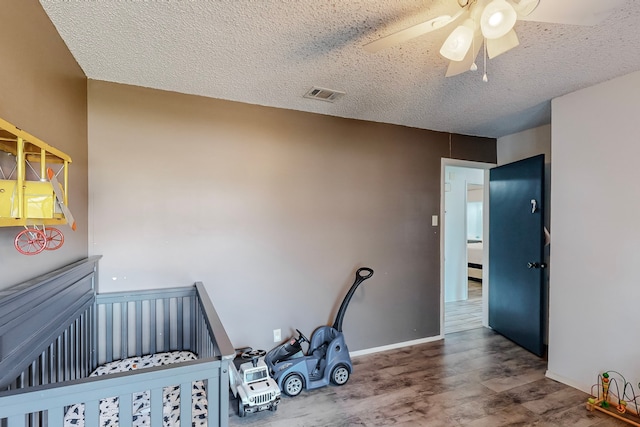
(464,245)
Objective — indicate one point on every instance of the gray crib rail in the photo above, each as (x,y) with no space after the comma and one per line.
(50,401)
(146,322)
(43,323)
(66,330)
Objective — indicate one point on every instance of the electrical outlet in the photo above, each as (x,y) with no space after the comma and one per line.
(277,335)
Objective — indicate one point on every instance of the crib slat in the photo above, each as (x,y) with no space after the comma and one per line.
(84,342)
(167,327)
(124,330)
(193,323)
(221,392)
(58,357)
(55,417)
(93,338)
(180,323)
(109,332)
(215,408)
(156,407)
(43,367)
(125,404)
(17,421)
(51,363)
(81,342)
(198,328)
(33,375)
(71,349)
(77,344)
(185,404)
(138,337)
(66,355)
(152,324)
(92,413)
(63,356)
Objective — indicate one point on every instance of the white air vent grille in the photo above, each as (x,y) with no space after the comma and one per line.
(323,94)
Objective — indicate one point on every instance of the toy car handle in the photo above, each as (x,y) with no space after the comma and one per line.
(364,276)
(337,325)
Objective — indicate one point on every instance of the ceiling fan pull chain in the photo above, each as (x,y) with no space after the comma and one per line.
(474,66)
(484,76)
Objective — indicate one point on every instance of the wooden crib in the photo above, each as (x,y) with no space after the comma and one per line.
(55,330)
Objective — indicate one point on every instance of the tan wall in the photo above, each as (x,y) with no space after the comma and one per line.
(44,92)
(272,209)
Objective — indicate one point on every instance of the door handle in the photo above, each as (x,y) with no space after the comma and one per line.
(536,265)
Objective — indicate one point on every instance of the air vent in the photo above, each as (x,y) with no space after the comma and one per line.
(323,94)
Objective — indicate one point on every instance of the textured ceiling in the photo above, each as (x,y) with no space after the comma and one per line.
(271,52)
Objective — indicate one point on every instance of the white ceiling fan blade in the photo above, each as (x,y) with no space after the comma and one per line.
(459,67)
(573,12)
(499,46)
(411,32)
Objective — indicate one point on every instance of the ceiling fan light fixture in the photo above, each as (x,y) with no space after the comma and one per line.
(524,7)
(499,46)
(458,43)
(497,19)
(440,21)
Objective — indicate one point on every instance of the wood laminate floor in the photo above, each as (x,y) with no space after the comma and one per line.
(467,314)
(472,378)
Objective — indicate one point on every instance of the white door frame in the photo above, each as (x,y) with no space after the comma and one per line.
(444,162)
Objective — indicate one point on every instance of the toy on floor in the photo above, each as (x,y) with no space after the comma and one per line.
(251,384)
(610,400)
(327,359)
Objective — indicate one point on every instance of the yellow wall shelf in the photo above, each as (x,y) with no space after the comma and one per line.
(30,194)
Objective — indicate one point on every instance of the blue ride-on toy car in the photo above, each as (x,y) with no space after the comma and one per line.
(327,359)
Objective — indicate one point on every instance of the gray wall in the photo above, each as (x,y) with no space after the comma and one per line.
(272,209)
(44,92)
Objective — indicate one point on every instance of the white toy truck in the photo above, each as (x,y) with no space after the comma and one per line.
(251,384)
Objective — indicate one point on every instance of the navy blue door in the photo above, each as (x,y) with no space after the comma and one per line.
(516,252)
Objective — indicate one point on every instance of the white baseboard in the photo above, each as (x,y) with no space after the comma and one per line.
(567,381)
(395,346)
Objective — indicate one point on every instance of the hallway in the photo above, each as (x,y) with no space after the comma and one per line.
(464,315)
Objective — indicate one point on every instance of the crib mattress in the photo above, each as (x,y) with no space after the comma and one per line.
(74,417)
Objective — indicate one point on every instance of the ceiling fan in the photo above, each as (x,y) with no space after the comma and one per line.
(490,23)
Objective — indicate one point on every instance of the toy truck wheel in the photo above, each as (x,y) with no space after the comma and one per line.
(241,411)
(292,385)
(340,375)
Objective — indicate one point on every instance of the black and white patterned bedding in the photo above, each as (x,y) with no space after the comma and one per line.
(74,417)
